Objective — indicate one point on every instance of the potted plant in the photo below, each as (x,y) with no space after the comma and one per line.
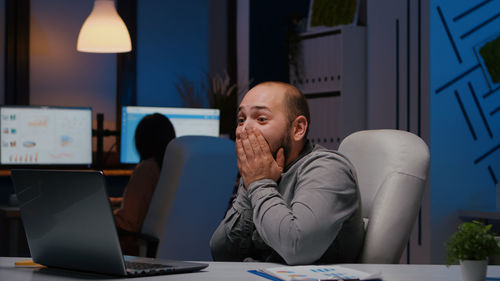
(215,91)
(471,245)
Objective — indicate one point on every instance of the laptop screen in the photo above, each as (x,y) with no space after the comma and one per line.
(69,224)
(186,121)
(40,135)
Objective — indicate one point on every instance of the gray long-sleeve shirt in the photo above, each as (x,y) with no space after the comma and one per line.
(312,215)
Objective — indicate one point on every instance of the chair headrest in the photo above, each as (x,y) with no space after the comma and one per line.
(378,154)
(385,151)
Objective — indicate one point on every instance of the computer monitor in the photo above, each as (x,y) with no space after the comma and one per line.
(186,121)
(45,135)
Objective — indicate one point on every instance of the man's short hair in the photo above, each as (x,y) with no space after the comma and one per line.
(295,104)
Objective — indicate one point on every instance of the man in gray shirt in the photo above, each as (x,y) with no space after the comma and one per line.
(296,203)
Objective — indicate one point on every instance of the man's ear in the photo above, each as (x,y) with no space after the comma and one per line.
(299,128)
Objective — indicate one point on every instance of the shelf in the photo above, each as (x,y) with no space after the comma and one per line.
(329,68)
(326,31)
(320,33)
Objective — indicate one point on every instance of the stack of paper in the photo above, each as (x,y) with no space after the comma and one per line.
(312,272)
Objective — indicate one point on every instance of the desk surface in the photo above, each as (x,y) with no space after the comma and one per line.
(238,271)
(111,172)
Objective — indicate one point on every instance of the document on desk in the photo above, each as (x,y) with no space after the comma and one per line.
(313,272)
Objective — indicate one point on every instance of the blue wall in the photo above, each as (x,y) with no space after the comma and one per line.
(59,74)
(465,128)
(172,40)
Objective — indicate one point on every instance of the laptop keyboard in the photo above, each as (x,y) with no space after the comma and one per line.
(147,268)
(143,265)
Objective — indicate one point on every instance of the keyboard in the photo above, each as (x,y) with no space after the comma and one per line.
(142,268)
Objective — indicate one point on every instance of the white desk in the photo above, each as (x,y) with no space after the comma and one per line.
(238,271)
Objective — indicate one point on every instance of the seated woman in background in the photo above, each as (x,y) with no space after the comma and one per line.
(152,135)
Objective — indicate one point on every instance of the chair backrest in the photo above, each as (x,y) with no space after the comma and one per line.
(392,168)
(190,200)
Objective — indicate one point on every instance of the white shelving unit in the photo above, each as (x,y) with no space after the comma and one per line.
(332,75)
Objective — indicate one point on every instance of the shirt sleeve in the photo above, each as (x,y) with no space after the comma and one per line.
(137,196)
(300,232)
(232,239)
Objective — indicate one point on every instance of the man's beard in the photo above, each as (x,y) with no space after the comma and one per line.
(285,144)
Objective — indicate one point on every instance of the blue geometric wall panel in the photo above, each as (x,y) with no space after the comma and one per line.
(465,85)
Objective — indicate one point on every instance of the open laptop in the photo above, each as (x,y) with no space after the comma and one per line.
(69,224)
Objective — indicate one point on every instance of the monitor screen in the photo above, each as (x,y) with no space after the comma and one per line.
(39,135)
(186,121)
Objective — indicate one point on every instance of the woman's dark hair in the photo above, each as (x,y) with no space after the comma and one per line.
(152,135)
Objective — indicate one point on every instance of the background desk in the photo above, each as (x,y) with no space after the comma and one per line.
(238,271)
(479,214)
(13,232)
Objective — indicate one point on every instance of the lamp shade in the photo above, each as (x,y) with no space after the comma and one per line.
(104,31)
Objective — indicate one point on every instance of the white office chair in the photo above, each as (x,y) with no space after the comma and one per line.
(190,200)
(392,168)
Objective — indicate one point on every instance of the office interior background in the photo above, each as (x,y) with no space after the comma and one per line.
(419,71)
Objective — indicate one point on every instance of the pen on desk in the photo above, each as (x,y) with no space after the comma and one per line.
(27,263)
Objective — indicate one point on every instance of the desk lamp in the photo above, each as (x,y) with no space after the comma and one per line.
(103,32)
